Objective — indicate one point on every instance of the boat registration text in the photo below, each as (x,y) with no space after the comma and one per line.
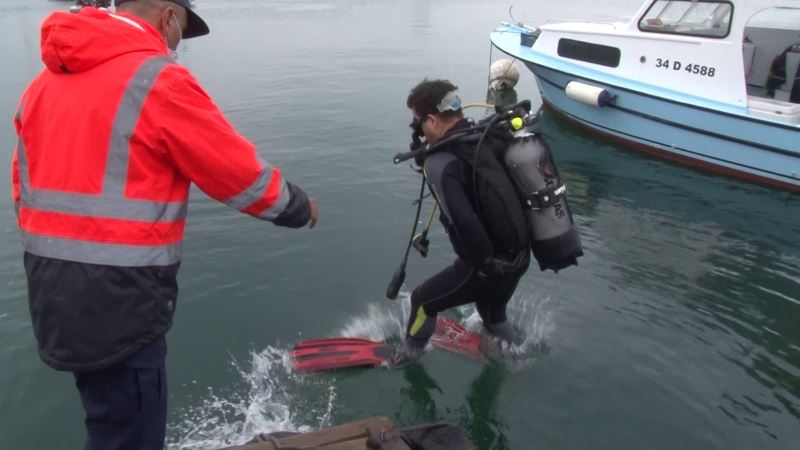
(694,69)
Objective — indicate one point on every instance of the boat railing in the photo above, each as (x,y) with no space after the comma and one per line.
(594,21)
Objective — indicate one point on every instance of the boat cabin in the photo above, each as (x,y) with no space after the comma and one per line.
(770,34)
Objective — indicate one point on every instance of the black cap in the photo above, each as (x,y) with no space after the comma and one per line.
(195,26)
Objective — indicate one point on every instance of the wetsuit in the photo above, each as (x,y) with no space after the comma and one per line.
(482,274)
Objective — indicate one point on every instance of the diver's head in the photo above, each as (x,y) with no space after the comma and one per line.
(435,108)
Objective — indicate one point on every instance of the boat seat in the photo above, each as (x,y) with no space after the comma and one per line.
(772,109)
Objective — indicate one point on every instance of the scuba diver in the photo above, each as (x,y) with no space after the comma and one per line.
(491,244)
(500,197)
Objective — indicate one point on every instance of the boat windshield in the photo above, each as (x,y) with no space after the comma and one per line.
(688,17)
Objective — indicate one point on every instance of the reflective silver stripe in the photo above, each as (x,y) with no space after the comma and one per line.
(19,110)
(255,191)
(22,159)
(105,207)
(280,204)
(22,162)
(124,123)
(21,107)
(111,202)
(22,170)
(101,253)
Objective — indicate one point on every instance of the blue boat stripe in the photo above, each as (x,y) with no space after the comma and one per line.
(255,191)
(101,253)
(280,204)
(686,127)
(701,156)
(92,206)
(124,123)
(709,133)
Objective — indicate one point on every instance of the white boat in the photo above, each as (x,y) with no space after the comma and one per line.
(683,79)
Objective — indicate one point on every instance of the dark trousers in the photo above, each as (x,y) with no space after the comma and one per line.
(126,404)
(459,284)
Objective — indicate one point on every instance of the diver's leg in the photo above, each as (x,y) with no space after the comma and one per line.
(448,288)
(491,306)
(492,299)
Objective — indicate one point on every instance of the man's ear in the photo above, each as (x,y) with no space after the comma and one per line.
(435,119)
(165,16)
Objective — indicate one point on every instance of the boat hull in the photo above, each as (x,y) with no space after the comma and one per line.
(745,147)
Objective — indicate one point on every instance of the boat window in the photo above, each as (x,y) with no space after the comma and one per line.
(688,17)
(589,52)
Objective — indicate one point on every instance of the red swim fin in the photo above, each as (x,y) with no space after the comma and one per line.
(453,337)
(322,355)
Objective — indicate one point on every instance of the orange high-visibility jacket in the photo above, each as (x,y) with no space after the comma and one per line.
(111,133)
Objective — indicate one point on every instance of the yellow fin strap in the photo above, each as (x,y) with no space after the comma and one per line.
(418,322)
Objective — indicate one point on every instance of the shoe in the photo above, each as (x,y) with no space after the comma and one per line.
(497,349)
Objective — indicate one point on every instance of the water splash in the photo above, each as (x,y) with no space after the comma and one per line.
(383,321)
(270,398)
(532,316)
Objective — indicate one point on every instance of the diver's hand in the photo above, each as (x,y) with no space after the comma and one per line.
(314,212)
(489,269)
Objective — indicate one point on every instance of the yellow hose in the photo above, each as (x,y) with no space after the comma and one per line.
(478,105)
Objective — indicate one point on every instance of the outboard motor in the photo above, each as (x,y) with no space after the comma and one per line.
(554,239)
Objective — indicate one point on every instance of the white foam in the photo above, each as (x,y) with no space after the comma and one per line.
(270,398)
(532,316)
(383,320)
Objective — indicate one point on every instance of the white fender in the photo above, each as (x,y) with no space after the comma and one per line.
(588,94)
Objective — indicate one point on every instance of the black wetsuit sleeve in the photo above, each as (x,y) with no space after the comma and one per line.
(450,188)
(297,212)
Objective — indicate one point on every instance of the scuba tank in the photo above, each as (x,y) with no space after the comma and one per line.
(554,239)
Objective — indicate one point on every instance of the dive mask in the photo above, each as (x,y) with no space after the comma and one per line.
(416,134)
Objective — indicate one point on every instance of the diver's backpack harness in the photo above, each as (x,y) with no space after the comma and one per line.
(527,161)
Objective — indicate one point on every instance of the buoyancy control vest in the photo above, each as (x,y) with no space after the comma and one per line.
(495,197)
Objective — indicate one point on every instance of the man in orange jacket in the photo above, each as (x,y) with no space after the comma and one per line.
(110,136)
